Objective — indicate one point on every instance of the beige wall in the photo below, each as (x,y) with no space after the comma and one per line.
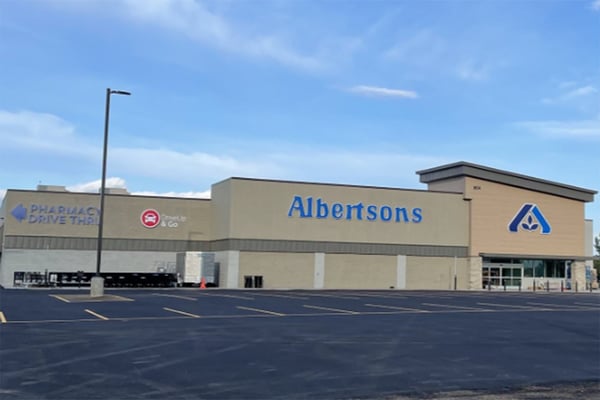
(279,270)
(122,216)
(589,238)
(259,210)
(353,271)
(475,266)
(494,205)
(350,271)
(436,273)
(221,209)
(455,185)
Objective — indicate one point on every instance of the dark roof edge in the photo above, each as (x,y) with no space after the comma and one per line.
(463,168)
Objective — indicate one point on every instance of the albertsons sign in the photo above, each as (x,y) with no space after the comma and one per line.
(309,207)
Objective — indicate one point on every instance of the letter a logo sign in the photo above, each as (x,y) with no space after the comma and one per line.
(530,219)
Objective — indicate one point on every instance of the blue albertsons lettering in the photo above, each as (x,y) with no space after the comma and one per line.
(310,208)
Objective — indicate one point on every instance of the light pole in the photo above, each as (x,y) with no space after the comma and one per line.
(97,284)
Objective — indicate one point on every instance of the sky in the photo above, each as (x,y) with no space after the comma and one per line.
(336,91)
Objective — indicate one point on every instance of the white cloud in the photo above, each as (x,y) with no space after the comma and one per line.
(574,96)
(422,48)
(587,129)
(430,51)
(94,186)
(596,5)
(354,166)
(192,19)
(383,92)
(582,91)
(186,167)
(191,195)
(41,132)
(116,182)
(470,71)
(160,169)
(567,84)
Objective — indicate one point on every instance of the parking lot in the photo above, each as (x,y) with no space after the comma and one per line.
(192,343)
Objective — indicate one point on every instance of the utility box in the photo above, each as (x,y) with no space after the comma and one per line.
(192,266)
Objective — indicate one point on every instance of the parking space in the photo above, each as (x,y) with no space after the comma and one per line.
(218,344)
(25,306)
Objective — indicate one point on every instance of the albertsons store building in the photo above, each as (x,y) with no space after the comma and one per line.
(474,226)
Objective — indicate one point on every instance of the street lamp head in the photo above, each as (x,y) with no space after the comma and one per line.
(123,92)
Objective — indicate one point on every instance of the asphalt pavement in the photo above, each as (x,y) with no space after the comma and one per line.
(250,344)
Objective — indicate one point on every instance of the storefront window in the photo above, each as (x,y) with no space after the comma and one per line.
(532,268)
(555,269)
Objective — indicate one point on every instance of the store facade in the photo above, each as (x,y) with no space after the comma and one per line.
(474,226)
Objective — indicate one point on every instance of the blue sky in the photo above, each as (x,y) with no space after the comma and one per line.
(357,92)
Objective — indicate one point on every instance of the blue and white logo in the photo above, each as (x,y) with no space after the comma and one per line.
(56,214)
(19,212)
(530,219)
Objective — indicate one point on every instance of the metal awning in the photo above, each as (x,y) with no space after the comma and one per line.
(539,257)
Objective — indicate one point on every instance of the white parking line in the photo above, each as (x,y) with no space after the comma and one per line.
(507,305)
(383,296)
(331,309)
(284,296)
(231,296)
(332,296)
(396,308)
(176,296)
(181,312)
(59,298)
(450,306)
(96,314)
(589,304)
(261,311)
(557,305)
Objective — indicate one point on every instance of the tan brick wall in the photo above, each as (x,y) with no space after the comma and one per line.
(122,216)
(475,272)
(350,271)
(279,270)
(260,210)
(493,206)
(436,273)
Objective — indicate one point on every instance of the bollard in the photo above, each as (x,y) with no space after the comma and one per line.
(576,286)
(519,286)
(562,286)
(547,286)
(504,284)
(489,285)
(534,285)
(590,287)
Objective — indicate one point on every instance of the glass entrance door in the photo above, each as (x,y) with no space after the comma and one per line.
(501,275)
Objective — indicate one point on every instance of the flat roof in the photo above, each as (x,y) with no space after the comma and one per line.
(462,168)
(343,185)
(107,194)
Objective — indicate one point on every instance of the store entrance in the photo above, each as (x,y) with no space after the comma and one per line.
(496,276)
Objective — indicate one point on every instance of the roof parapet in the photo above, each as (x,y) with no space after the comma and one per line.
(462,168)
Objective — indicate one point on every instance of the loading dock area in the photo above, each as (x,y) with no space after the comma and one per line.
(214,344)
